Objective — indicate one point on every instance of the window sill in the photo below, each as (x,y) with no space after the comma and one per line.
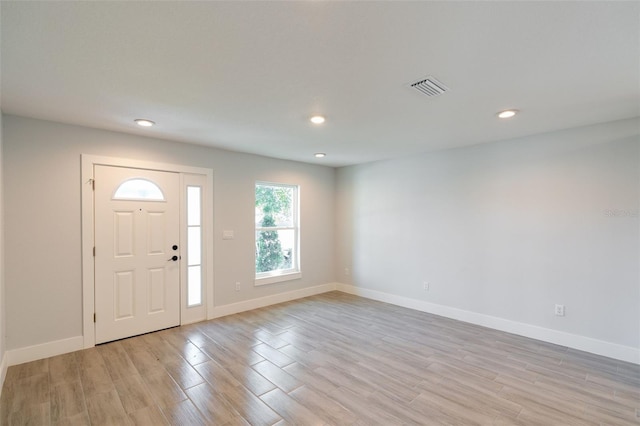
(272,279)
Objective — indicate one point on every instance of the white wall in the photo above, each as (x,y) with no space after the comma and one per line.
(505,229)
(42,194)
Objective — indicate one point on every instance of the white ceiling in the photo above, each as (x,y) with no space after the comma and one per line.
(246,76)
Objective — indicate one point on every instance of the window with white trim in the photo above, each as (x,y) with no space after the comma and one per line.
(277,232)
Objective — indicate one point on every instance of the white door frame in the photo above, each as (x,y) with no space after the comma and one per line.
(88,224)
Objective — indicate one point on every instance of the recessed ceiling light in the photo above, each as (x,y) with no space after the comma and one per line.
(317,119)
(319,155)
(507,113)
(144,122)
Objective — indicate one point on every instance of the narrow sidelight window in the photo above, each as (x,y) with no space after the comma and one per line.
(194,245)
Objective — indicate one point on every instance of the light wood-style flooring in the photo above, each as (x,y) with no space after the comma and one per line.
(328,359)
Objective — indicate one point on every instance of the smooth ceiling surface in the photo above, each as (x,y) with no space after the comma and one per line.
(246,76)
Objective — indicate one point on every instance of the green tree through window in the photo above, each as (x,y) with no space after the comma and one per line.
(270,256)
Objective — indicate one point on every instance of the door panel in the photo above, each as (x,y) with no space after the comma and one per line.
(137,283)
(157,290)
(123,232)
(156,233)
(124,294)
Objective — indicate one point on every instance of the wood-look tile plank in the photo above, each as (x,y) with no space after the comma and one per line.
(300,342)
(164,390)
(250,407)
(453,410)
(148,416)
(28,369)
(26,395)
(106,409)
(190,352)
(313,359)
(211,404)
(479,398)
(310,378)
(323,406)
(183,374)
(270,339)
(358,405)
(89,358)
(249,378)
(116,360)
(406,413)
(184,413)
(290,409)
(64,369)
(67,401)
(277,376)
(563,411)
(96,379)
(613,414)
(133,393)
(80,419)
(273,355)
(216,375)
(31,415)
(145,362)
(341,378)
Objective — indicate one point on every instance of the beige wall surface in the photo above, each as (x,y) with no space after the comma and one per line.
(505,229)
(43,214)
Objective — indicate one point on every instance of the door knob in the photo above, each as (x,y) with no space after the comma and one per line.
(174,258)
(175,247)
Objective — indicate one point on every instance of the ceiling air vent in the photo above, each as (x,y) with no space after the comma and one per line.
(429,86)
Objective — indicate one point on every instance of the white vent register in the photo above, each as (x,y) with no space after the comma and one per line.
(429,86)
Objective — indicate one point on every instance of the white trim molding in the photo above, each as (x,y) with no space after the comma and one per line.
(574,341)
(247,305)
(44,350)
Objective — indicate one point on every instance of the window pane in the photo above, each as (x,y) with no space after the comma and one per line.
(194,287)
(275,250)
(193,205)
(274,206)
(194,247)
(138,189)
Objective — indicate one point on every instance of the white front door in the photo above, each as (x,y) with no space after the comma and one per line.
(137,253)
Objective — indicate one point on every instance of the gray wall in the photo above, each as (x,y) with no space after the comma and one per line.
(506,229)
(2,285)
(2,291)
(42,205)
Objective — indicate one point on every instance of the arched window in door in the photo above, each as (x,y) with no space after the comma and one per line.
(138,189)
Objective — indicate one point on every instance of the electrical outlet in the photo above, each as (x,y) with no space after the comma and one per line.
(237,286)
(559,310)
(425,285)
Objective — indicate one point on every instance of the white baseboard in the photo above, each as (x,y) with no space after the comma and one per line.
(247,305)
(587,344)
(45,350)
